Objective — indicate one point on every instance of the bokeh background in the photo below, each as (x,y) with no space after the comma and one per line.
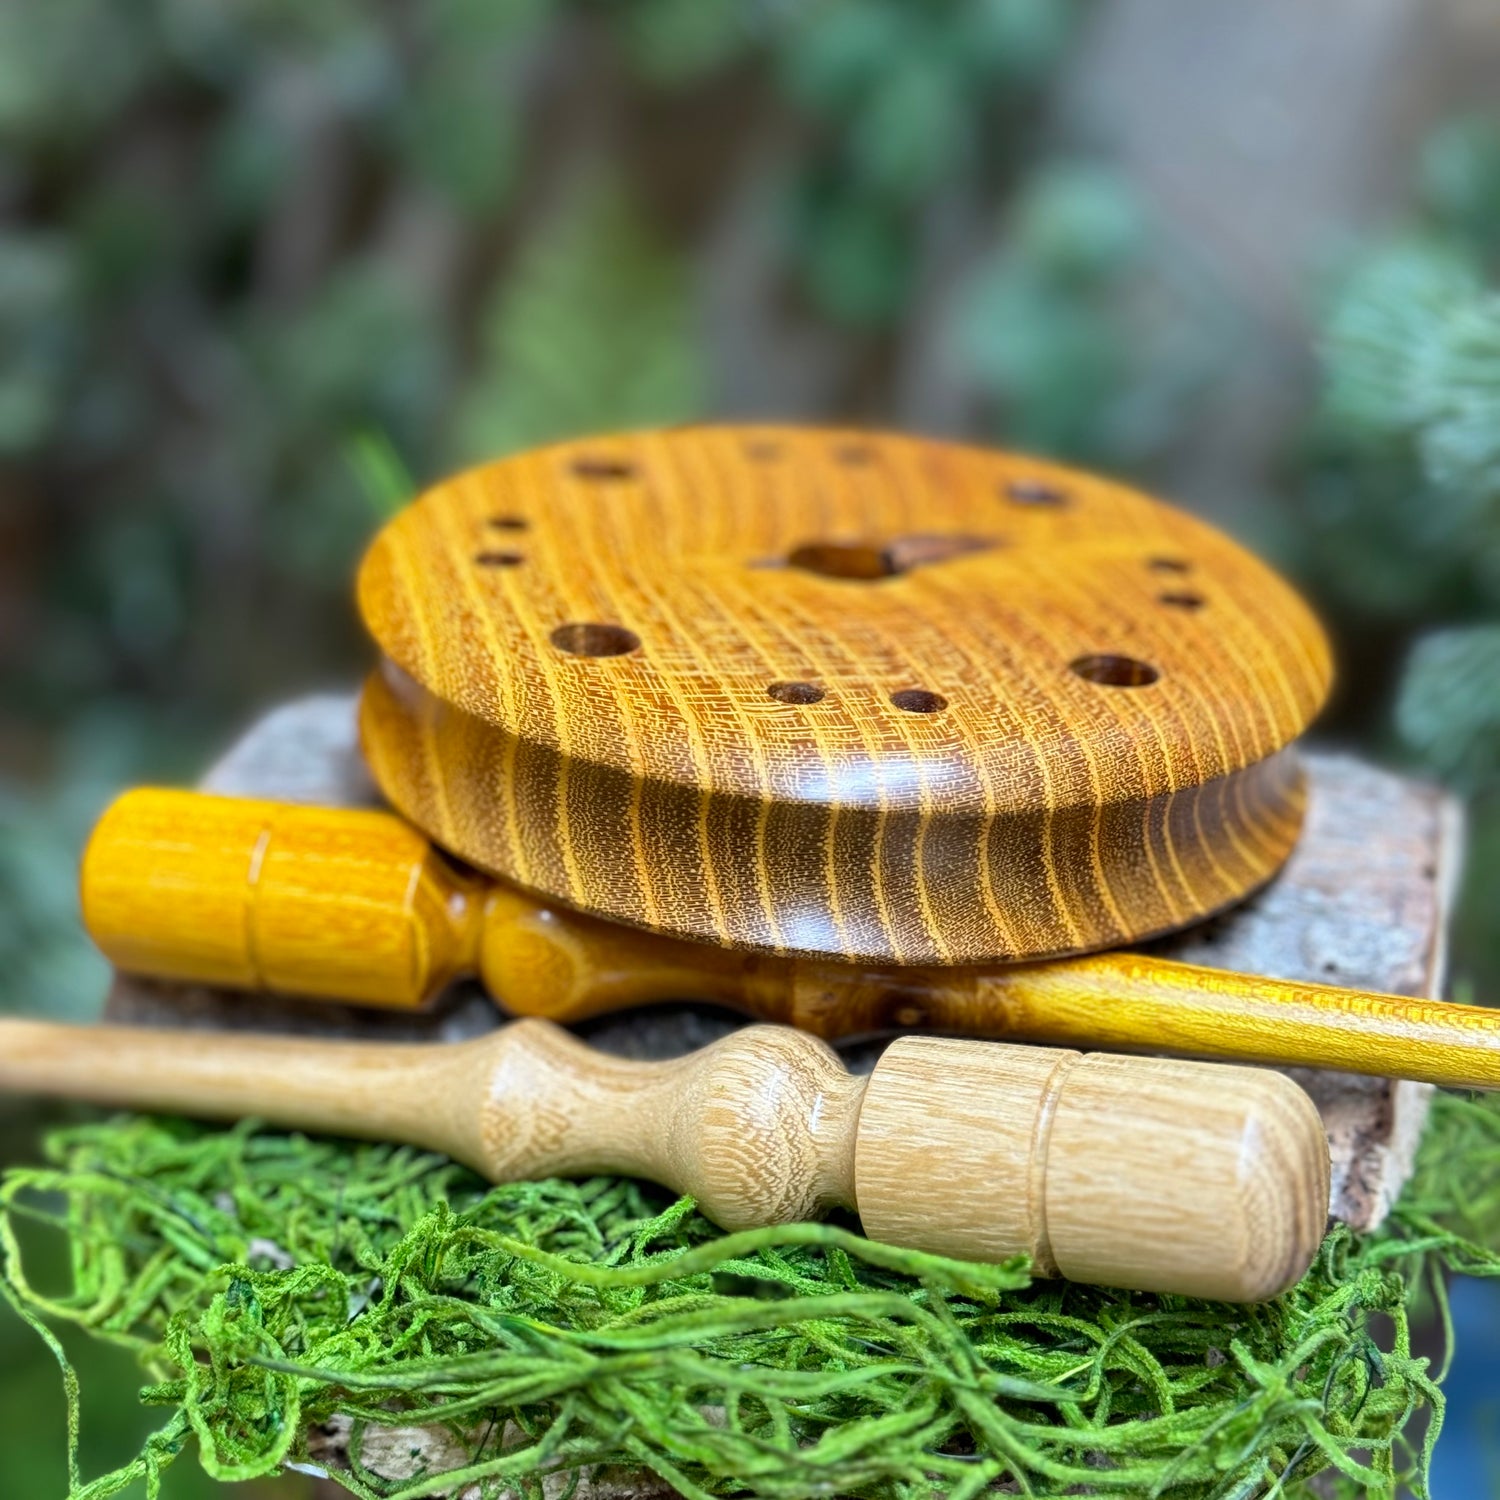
(265,266)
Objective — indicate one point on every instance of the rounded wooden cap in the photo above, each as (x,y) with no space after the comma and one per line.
(1151,1173)
(837,693)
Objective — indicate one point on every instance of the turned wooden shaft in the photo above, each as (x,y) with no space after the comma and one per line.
(1129,1000)
(422,1095)
(359,906)
(1166,1176)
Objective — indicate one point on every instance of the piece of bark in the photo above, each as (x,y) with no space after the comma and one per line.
(1363,901)
(402,1455)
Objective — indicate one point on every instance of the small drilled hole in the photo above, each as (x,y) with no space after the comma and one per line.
(587,639)
(796,692)
(499,559)
(854,455)
(1169,565)
(599,467)
(1115,671)
(919,701)
(1183,600)
(507,523)
(1035,492)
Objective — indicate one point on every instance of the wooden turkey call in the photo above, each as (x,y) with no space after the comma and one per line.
(846,695)
(1164,1176)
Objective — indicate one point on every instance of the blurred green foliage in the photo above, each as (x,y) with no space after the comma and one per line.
(265,266)
(1078,337)
(1449,708)
(1402,493)
(545,372)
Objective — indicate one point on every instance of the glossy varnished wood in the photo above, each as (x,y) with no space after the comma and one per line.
(1165,1176)
(357,905)
(338,905)
(841,694)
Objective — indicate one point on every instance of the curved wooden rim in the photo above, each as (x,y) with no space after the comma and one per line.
(1060,881)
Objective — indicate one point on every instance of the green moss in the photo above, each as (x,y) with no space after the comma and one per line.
(269,1282)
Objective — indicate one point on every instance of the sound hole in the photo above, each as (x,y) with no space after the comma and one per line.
(499,559)
(588,639)
(919,701)
(1115,671)
(507,523)
(866,560)
(844,560)
(1183,600)
(796,692)
(1035,492)
(1169,565)
(597,467)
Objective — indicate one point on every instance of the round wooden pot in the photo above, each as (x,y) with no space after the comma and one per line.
(847,694)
